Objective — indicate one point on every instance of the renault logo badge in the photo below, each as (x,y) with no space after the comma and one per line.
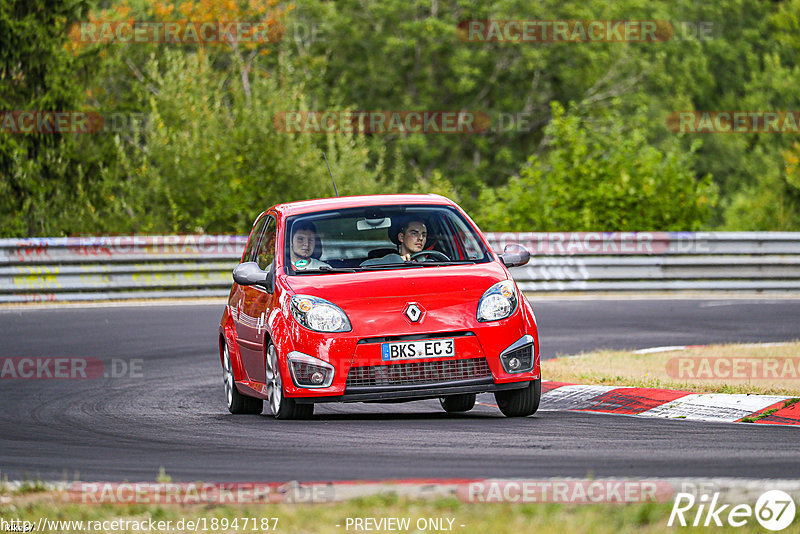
(413,312)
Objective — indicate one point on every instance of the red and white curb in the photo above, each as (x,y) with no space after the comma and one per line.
(668,404)
(671,404)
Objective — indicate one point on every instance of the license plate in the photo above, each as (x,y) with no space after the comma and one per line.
(431,348)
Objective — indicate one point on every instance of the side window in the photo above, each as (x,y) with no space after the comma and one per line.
(266,249)
(252,242)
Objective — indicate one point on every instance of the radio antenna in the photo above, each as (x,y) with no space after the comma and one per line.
(329,172)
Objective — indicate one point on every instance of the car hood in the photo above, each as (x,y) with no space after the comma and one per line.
(374,301)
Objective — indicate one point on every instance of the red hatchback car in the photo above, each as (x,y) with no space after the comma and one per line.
(383,298)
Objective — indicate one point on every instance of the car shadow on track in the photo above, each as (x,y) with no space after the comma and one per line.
(405,416)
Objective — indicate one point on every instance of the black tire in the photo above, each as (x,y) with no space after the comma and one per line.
(293,410)
(458,403)
(281,406)
(237,403)
(520,402)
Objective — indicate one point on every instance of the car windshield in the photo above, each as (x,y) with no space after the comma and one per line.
(380,238)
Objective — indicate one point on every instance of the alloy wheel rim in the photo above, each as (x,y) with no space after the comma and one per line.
(227,376)
(274,385)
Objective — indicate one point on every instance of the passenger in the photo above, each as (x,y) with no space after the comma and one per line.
(304,242)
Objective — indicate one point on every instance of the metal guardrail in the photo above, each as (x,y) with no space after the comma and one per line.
(125,267)
(657,261)
(102,268)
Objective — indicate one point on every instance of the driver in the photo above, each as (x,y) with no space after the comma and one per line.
(412,236)
(304,241)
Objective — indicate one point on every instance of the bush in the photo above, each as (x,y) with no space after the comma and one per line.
(600,173)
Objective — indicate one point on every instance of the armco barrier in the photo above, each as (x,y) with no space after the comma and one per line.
(124,267)
(101,268)
(657,261)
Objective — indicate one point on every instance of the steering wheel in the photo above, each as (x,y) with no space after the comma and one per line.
(435,253)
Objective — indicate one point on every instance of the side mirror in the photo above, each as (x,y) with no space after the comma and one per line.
(515,255)
(249,273)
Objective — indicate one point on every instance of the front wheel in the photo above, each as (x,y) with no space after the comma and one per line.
(282,407)
(520,402)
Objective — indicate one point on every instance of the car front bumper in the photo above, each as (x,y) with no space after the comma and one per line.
(361,374)
(416,392)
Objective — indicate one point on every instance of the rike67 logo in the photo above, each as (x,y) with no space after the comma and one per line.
(774,510)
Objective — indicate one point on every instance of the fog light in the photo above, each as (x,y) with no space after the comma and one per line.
(519,356)
(310,372)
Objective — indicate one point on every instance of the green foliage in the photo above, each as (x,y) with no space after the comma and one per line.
(407,55)
(41,175)
(768,204)
(600,174)
(208,158)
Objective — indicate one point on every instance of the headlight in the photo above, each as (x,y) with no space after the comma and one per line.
(499,302)
(319,314)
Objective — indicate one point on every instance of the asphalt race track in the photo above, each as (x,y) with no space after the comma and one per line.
(171,414)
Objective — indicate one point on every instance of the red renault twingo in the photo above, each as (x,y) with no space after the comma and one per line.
(381,298)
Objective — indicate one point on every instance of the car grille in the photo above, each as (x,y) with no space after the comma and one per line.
(422,372)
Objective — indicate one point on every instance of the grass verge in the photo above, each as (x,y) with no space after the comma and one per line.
(737,368)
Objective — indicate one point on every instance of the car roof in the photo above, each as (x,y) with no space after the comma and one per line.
(323,204)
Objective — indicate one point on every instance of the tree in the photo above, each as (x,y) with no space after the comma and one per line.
(395,55)
(600,174)
(43,176)
(209,158)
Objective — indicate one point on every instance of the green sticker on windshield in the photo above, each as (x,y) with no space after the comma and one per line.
(301,264)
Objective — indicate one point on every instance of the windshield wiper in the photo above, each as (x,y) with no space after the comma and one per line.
(378,266)
(326,269)
(451,262)
(417,264)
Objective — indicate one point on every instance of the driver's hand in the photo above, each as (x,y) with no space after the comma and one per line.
(406,257)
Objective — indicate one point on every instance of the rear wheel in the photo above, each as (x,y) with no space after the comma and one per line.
(458,403)
(282,407)
(520,402)
(237,403)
